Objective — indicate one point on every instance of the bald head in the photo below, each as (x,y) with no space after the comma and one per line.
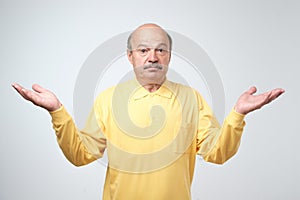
(150,29)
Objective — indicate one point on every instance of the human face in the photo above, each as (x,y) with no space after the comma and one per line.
(150,54)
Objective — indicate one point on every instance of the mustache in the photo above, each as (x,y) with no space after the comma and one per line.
(153,65)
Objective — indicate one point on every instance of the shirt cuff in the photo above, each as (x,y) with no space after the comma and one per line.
(60,115)
(235,118)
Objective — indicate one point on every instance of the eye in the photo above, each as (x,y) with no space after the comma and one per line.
(161,51)
(144,50)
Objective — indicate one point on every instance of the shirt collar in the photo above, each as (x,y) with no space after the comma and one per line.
(165,90)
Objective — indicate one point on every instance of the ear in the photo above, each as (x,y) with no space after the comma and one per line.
(170,57)
(129,56)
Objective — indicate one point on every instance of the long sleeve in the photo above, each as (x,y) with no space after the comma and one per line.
(79,147)
(217,143)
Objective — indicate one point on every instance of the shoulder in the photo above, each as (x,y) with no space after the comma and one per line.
(180,88)
(109,93)
(186,93)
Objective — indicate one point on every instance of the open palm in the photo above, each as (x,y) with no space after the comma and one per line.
(248,102)
(39,96)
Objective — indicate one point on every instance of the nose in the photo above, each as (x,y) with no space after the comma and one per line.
(152,57)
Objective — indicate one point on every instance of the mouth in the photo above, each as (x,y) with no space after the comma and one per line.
(152,70)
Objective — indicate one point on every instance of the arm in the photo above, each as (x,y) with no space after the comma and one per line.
(79,147)
(217,144)
(223,142)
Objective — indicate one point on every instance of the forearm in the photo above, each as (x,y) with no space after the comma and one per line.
(228,139)
(68,138)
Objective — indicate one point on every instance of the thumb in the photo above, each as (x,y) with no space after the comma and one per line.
(251,90)
(38,88)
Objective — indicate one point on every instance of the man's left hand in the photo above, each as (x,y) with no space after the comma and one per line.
(249,102)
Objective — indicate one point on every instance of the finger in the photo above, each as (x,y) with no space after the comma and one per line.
(17,86)
(271,95)
(276,93)
(25,93)
(38,88)
(268,97)
(19,89)
(32,96)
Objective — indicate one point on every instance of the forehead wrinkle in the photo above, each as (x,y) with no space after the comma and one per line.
(154,40)
(152,46)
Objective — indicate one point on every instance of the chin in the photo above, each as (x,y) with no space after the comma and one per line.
(155,80)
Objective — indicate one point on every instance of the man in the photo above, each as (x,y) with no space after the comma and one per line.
(151,127)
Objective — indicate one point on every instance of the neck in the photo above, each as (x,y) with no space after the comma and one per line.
(151,86)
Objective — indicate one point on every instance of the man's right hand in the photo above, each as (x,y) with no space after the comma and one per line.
(39,96)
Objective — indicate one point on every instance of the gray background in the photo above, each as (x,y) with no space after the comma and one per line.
(250,43)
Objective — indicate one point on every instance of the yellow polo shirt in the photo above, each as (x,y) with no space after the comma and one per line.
(151,139)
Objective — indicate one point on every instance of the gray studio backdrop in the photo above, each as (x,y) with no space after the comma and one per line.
(244,43)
